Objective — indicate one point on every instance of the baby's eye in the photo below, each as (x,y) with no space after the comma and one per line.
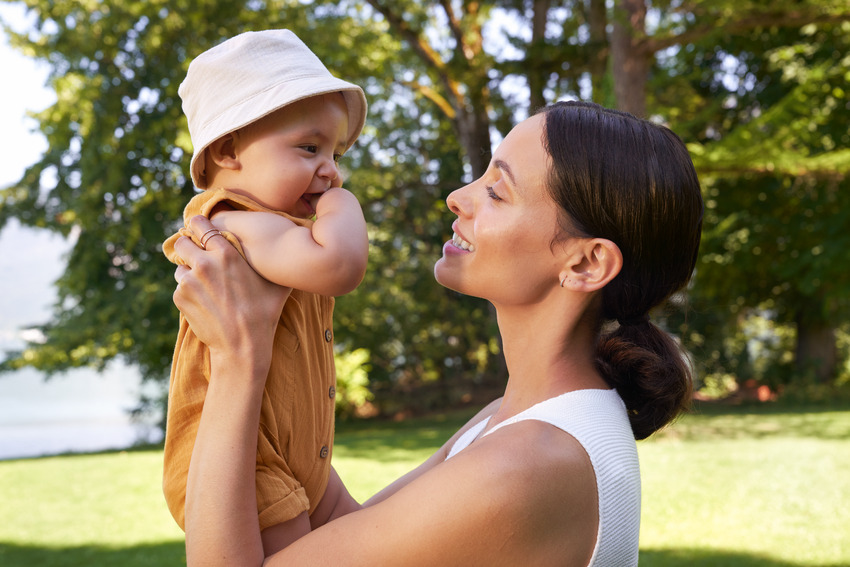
(337,157)
(312,148)
(492,194)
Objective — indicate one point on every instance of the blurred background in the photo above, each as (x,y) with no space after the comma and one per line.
(83,409)
(759,92)
(95,151)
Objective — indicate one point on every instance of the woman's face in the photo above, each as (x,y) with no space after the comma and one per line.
(506,222)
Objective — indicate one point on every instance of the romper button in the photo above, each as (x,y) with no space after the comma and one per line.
(324,452)
(328,335)
(331,392)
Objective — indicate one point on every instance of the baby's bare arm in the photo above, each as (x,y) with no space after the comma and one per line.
(329,260)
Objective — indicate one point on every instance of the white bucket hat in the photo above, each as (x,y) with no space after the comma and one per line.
(252,75)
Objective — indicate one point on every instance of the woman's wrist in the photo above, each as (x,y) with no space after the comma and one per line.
(247,362)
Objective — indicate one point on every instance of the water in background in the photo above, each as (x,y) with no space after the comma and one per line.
(80,411)
(76,412)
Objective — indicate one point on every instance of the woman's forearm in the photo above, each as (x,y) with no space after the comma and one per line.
(221,511)
(234,312)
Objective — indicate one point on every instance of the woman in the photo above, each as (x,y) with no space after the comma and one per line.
(585,220)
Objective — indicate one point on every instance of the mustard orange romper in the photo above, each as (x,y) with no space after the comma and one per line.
(296,431)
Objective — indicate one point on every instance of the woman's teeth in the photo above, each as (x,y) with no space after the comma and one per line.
(461,243)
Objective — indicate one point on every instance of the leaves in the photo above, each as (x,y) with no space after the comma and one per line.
(759,92)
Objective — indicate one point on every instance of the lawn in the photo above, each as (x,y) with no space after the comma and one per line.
(745,487)
(739,487)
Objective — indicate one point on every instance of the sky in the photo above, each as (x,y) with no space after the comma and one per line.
(80,410)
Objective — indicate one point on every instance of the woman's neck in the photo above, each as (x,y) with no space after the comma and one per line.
(549,350)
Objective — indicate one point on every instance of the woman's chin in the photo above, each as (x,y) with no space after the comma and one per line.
(446,277)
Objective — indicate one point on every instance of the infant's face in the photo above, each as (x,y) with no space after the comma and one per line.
(290,157)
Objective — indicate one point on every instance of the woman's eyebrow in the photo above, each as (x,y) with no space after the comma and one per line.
(506,169)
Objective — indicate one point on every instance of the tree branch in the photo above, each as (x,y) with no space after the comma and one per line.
(455,28)
(425,52)
(435,97)
(746,23)
(770,169)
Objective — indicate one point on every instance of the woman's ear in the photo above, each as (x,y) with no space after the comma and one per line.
(222,153)
(593,263)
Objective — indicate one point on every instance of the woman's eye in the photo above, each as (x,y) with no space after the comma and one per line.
(492,194)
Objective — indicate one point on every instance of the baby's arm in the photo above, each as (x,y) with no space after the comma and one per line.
(329,259)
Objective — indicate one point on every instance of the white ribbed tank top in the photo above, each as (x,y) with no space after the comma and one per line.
(597,419)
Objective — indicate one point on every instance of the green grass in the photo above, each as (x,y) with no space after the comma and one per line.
(739,487)
(87,510)
(766,486)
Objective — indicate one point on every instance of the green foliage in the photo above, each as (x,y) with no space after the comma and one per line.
(773,156)
(762,99)
(352,382)
(114,178)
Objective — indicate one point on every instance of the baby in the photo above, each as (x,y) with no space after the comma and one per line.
(269,123)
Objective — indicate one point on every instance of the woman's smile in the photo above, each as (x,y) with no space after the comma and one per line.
(461,243)
(458,243)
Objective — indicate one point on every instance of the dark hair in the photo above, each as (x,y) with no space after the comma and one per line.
(632,182)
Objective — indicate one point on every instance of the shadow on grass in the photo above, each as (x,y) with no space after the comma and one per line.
(167,554)
(714,558)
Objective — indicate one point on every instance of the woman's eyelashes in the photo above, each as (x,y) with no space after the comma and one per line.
(492,194)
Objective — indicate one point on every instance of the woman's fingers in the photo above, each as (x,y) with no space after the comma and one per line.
(222,297)
(180,272)
(209,236)
(206,233)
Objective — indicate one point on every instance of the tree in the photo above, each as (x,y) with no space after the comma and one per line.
(775,169)
(444,79)
(114,176)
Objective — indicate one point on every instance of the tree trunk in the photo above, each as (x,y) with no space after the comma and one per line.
(816,354)
(473,128)
(597,19)
(537,80)
(629,58)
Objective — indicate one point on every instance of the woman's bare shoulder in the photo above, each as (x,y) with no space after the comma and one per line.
(542,480)
(508,499)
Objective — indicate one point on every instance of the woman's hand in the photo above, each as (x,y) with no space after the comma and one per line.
(235,312)
(229,307)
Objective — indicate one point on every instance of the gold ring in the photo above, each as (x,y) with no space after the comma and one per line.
(205,238)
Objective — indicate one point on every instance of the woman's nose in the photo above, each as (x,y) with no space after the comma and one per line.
(459,201)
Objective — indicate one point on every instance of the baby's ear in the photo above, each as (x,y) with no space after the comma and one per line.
(594,263)
(222,153)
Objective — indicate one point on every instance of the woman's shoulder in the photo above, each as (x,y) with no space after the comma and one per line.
(532,450)
(542,483)
(522,496)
